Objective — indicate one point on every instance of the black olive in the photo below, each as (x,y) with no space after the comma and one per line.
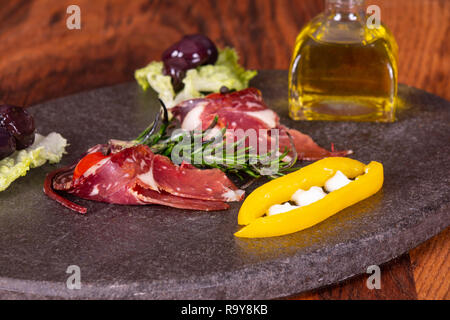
(188,53)
(19,123)
(7,143)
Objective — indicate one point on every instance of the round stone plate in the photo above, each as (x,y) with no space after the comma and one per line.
(156,252)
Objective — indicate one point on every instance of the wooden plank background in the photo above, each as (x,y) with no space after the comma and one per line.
(41,59)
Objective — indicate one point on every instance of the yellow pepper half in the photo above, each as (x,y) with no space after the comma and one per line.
(369,180)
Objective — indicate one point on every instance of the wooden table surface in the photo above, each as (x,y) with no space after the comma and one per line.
(41,59)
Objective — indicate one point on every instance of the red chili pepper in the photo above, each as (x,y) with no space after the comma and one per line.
(86,163)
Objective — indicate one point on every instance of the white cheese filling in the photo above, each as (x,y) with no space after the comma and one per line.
(338,181)
(304,198)
(280,208)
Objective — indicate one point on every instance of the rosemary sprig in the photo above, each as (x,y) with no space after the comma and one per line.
(156,131)
(204,151)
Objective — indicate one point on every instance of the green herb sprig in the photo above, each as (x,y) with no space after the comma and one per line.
(241,162)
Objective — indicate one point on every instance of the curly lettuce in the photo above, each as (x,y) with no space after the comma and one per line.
(45,148)
(204,79)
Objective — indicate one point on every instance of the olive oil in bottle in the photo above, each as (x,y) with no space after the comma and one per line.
(342,69)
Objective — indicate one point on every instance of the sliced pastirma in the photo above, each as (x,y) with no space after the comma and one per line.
(368,180)
(136,176)
(246,110)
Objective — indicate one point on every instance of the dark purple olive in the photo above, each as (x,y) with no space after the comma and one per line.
(7,143)
(206,44)
(19,123)
(176,68)
(188,53)
(195,49)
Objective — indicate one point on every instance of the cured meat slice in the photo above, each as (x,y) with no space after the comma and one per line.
(136,176)
(110,179)
(210,184)
(305,146)
(237,110)
(246,110)
(148,196)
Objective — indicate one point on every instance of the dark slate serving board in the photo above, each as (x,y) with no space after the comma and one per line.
(157,252)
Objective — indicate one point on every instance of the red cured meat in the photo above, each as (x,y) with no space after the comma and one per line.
(148,196)
(305,146)
(246,110)
(214,183)
(236,110)
(136,176)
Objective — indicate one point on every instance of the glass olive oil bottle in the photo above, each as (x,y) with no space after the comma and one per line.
(342,69)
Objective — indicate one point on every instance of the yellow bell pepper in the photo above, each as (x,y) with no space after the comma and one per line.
(369,180)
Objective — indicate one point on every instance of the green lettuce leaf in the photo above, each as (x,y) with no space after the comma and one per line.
(229,58)
(210,78)
(152,76)
(50,148)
